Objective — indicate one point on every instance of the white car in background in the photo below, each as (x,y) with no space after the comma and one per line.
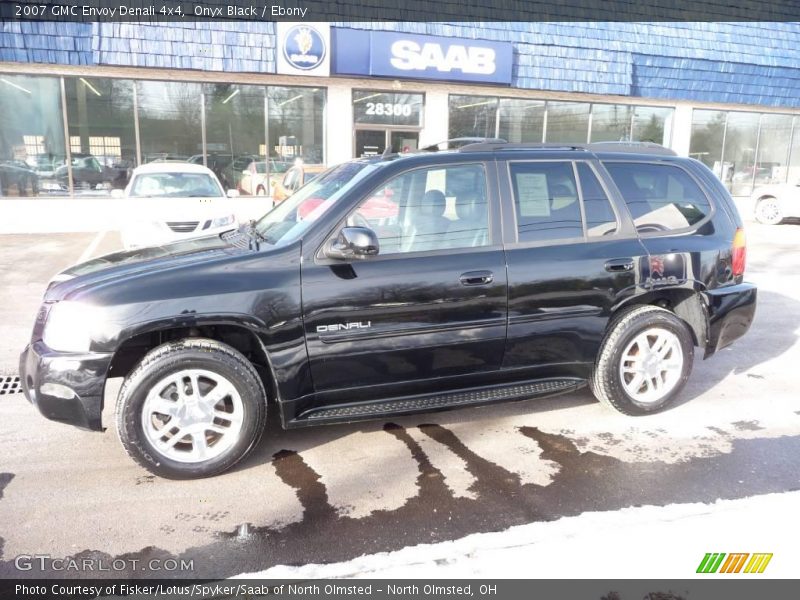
(254,177)
(773,203)
(166,202)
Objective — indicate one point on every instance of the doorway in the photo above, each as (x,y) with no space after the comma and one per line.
(373,141)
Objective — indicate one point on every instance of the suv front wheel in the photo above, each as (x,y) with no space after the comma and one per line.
(644,361)
(191,408)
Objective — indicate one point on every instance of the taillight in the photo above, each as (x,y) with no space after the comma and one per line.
(739,252)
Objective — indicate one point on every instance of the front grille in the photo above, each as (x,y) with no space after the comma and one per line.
(9,384)
(182,226)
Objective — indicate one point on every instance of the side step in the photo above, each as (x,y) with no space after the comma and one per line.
(413,404)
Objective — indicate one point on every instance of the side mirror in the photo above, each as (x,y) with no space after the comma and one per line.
(353,242)
(117,193)
(233,193)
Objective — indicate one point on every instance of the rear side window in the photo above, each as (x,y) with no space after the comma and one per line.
(600,217)
(660,197)
(546,201)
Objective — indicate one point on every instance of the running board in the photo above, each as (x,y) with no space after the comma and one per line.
(413,404)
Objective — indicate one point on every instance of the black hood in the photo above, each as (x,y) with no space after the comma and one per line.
(133,262)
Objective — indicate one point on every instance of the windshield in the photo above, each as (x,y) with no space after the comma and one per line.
(274,167)
(175,185)
(295,214)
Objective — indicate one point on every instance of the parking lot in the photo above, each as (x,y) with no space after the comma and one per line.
(333,493)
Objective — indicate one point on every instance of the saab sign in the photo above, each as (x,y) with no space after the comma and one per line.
(389,54)
(303,49)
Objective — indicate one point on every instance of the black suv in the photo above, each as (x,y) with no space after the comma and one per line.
(399,284)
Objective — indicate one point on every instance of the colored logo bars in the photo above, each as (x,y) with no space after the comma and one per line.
(734,562)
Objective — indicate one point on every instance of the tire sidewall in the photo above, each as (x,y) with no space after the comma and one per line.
(663,320)
(131,424)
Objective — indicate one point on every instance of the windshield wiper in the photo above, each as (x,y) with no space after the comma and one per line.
(255,235)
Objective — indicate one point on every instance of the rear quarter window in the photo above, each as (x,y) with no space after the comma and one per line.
(660,197)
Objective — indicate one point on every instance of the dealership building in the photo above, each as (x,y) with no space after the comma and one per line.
(81,104)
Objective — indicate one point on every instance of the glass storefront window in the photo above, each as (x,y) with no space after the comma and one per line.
(100,118)
(32,146)
(169,120)
(473,116)
(568,122)
(234,131)
(521,120)
(652,124)
(746,149)
(296,120)
(773,149)
(708,134)
(741,139)
(611,123)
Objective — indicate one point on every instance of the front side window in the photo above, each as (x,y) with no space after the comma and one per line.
(546,201)
(428,209)
(174,185)
(660,197)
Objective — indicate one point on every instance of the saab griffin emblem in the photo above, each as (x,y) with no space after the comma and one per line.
(304,47)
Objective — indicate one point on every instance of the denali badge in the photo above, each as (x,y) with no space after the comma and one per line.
(344,326)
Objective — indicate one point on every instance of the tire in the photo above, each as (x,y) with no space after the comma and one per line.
(632,349)
(172,391)
(768,211)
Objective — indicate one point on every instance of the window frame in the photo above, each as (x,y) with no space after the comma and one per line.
(619,231)
(669,163)
(512,239)
(494,223)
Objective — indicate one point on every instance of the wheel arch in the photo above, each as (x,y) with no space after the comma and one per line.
(687,304)
(239,337)
(765,195)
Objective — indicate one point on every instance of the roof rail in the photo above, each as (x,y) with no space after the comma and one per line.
(460,142)
(630,147)
(635,147)
(491,145)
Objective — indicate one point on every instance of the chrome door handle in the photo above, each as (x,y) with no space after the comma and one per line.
(476,278)
(619,265)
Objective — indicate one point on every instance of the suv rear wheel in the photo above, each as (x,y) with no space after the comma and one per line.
(644,361)
(192,408)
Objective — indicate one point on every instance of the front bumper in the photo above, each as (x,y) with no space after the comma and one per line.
(730,314)
(65,387)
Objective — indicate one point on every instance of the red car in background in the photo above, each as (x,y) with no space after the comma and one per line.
(377,210)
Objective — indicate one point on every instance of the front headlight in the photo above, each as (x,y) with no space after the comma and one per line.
(222,221)
(71,325)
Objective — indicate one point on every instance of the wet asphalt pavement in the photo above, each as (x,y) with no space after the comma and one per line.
(332,493)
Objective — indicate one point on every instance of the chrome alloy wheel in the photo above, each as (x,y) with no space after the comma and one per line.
(192,416)
(651,365)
